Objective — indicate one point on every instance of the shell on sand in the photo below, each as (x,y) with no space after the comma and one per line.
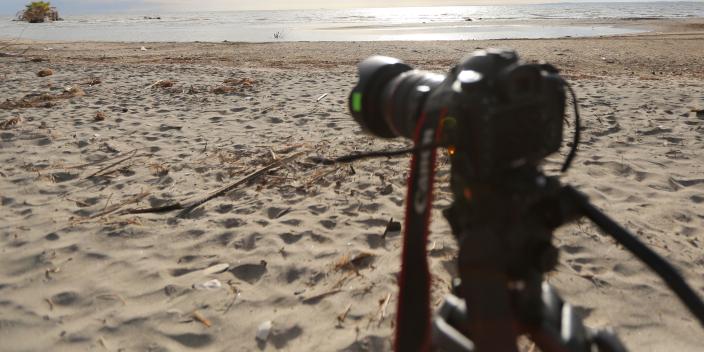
(264,330)
(215,269)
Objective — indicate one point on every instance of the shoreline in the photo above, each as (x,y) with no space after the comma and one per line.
(637,55)
(431,31)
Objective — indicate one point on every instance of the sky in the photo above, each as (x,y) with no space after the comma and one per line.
(68,7)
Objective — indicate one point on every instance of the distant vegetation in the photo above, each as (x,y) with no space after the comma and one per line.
(38,12)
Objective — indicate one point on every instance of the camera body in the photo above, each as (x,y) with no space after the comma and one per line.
(495,112)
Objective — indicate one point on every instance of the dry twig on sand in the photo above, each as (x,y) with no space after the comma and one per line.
(381,312)
(81,166)
(163,83)
(320,175)
(101,171)
(80,203)
(113,208)
(316,298)
(235,294)
(341,318)
(201,318)
(276,163)
(382,309)
(192,205)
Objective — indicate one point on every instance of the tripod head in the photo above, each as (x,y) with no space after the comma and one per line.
(498,118)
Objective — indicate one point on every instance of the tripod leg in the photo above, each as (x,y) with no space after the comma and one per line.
(490,317)
(445,334)
(563,329)
(607,341)
(665,270)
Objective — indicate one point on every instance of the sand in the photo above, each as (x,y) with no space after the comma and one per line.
(304,245)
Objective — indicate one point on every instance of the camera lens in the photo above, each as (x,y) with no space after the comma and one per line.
(404,98)
(389,96)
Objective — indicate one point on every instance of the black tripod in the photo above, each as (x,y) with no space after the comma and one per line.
(504,230)
(499,119)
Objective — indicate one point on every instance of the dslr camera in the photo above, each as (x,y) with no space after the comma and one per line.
(496,112)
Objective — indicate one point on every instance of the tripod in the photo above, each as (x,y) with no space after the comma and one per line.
(499,119)
(504,231)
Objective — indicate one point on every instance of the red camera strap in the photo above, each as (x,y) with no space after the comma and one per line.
(413,313)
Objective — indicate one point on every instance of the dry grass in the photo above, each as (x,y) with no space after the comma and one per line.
(42,100)
(354,263)
(163,83)
(73,91)
(45,72)
(240,82)
(233,85)
(100,116)
(93,81)
(159,169)
(11,123)
(227,157)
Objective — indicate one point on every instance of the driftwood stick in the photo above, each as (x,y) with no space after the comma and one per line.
(162,209)
(222,191)
(130,156)
(188,207)
(381,313)
(341,318)
(315,299)
(94,163)
(383,307)
(319,175)
(79,202)
(201,318)
(290,148)
(116,207)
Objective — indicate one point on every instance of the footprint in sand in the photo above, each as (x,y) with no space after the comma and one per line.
(67,298)
(192,340)
(250,273)
(290,238)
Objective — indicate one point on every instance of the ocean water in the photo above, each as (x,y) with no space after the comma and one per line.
(368,24)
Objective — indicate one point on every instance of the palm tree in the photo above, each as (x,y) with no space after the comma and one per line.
(39,11)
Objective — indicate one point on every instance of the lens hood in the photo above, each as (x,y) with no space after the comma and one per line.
(365,102)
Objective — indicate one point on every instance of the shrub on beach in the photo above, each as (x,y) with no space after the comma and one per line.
(39,11)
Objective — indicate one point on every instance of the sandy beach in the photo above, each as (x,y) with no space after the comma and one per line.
(118,127)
